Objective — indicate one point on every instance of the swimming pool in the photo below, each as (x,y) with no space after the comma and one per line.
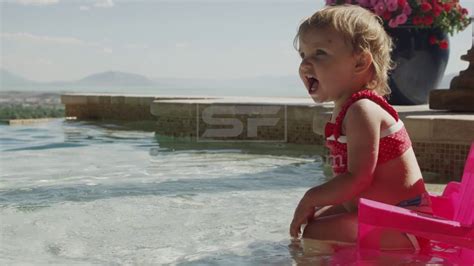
(88,193)
(78,192)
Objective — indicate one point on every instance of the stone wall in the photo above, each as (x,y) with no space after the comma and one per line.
(295,124)
(93,107)
(441,140)
(441,162)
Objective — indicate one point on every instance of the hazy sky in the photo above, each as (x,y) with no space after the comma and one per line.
(47,40)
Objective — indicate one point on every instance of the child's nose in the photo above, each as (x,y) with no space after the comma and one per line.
(305,65)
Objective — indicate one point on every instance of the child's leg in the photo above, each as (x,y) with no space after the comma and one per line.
(338,227)
(342,227)
(330,210)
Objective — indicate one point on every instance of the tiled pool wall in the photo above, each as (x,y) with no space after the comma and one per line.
(93,107)
(444,160)
(185,119)
(441,140)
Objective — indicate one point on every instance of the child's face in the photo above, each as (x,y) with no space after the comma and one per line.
(327,66)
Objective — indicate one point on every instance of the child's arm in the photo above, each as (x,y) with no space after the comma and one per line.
(363,132)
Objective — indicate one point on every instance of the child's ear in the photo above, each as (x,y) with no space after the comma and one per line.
(363,62)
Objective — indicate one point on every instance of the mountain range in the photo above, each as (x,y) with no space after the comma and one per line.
(109,78)
(122,79)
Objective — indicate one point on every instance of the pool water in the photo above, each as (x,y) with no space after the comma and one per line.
(86,193)
(77,192)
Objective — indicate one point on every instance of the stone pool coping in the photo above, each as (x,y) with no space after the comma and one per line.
(441,139)
(27,121)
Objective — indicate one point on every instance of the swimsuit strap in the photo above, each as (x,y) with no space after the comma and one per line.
(363,94)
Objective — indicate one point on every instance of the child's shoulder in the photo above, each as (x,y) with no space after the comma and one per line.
(365,112)
(363,107)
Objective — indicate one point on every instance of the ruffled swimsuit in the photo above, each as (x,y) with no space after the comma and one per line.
(394,141)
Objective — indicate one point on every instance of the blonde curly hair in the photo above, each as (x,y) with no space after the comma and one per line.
(363,30)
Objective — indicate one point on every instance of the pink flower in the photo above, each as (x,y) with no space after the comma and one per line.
(417,20)
(374,2)
(401,19)
(392,5)
(379,8)
(437,10)
(443,44)
(447,7)
(407,10)
(364,3)
(425,7)
(393,23)
(428,20)
(387,15)
(402,3)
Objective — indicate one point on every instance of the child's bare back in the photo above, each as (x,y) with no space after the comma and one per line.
(396,180)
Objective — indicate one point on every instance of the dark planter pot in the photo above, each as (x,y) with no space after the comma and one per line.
(419,66)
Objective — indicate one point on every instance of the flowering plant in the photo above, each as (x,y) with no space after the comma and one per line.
(446,15)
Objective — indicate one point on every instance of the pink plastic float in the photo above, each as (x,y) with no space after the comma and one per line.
(449,229)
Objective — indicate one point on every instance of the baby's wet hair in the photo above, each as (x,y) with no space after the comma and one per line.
(363,31)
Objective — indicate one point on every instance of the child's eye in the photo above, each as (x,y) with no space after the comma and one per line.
(320,52)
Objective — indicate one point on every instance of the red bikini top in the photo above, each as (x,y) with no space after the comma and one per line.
(394,141)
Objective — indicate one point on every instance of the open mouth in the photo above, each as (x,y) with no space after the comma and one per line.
(312,84)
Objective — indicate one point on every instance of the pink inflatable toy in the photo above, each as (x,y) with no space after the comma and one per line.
(451,226)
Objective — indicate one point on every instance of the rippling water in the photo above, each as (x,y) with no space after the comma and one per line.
(85,193)
(76,192)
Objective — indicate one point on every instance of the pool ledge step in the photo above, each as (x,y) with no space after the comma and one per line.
(441,139)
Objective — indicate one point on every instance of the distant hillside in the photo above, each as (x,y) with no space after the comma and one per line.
(9,79)
(120,82)
(114,78)
(260,82)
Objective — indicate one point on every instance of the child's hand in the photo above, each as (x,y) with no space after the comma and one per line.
(303,214)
